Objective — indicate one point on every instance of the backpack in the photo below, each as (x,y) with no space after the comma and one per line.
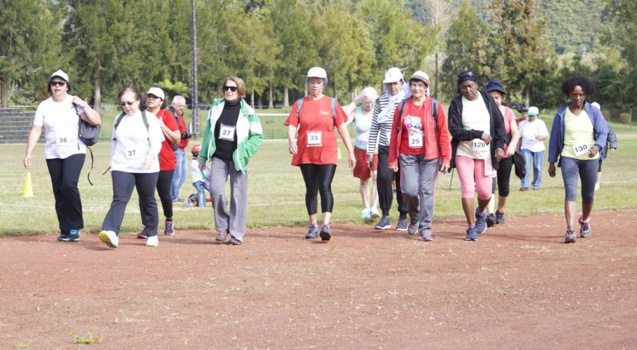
(299,103)
(89,135)
(172,111)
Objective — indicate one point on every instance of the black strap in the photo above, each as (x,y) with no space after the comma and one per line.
(89,172)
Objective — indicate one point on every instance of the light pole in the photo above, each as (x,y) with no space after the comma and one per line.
(195,100)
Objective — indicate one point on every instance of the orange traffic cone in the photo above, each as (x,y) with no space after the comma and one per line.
(28,186)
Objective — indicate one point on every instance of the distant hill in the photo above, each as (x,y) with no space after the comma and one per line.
(571,25)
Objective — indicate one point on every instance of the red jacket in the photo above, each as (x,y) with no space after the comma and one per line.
(437,143)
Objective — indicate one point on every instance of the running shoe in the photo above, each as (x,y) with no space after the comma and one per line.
(374,213)
(152,241)
(383,224)
(63,237)
(234,241)
(570,236)
(412,229)
(425,234)
(472,234)
(326,233)
(584,231)
(143,234)
(499,218)
(366,214)
(110,238)
(491,220)
(402,224)
(312,232)
(221,236)
(169,228)
(481,222)
(74,236)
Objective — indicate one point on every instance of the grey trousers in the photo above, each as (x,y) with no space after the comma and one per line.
(418,184)
(234,222)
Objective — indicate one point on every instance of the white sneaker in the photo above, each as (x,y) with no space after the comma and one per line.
(365,214)
(152,241)
(374,213)
(596,187)
(110,238)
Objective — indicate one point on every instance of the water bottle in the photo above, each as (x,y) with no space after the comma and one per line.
(201,196)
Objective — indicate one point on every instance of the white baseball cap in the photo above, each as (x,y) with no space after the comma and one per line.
(317,72)
(155,91)
(533,111)
(60,73)
(393,75)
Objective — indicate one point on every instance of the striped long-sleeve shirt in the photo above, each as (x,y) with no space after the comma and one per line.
(380,132)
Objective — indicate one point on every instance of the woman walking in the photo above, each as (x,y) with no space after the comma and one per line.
(315,151)
(233,135)
(59,117)
(578,135)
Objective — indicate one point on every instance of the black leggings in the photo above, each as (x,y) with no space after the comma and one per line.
(504,176)
(318,178)
(164,183)
(65,174)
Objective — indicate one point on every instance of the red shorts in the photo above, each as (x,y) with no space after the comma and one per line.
(361,170)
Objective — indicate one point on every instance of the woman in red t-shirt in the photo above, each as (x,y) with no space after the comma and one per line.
(316,151)
(167,160)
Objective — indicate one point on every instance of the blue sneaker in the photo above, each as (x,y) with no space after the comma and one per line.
(481,222)
(412,229)
(326,233)
(569,237)
(63,237)
(472,234)
(312,232)
(74,236)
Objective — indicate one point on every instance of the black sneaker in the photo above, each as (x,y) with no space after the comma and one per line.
(169,228)
(64,237)
(499,218)
(312,232)
(326,233)
(74,236)
(585,228)
(383,224)
(491,220)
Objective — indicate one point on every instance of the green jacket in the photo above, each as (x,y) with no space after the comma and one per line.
(249,135)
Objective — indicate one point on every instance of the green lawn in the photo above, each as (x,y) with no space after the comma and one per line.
(276,195)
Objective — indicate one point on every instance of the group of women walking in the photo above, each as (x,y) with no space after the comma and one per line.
(402,135)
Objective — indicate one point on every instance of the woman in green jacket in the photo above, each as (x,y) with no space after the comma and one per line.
(233,135)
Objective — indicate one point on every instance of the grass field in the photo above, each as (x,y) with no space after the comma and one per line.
(276,194)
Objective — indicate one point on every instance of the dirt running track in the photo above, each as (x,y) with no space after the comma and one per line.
(517,287)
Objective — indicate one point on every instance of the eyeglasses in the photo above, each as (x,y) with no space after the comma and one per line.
(152,97)
(58,83)
(231,88)
(127,103)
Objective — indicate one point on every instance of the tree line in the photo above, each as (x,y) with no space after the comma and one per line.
(105,45)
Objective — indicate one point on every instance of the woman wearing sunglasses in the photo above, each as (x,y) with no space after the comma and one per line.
(137,140)
(233,135)
(59,116)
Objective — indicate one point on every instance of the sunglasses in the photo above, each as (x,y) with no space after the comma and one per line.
(127,103)
(231,88)
(58,83)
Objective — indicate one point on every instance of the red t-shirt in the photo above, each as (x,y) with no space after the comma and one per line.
(182,129)
(316,141)
(167,159)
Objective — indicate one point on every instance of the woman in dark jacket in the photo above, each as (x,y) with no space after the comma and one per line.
(477,130)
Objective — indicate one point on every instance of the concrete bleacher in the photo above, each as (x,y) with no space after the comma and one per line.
(15,124)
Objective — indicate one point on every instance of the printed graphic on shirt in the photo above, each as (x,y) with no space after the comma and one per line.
(413,125)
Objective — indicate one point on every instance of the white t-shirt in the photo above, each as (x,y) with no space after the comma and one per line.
(528,133)
(60,123)
(475,116)
(195,172)
(132,143)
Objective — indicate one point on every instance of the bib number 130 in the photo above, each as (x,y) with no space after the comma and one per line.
(580,150)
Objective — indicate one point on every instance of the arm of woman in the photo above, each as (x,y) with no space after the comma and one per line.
(170,128)
(392,159)
(350,110)
(342,129)
(34,135)
(90,115)
(291,139)
(515,137)
(455,125)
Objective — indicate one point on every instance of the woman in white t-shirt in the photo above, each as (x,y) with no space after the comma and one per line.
(137,140)
(59,117)
(533,132)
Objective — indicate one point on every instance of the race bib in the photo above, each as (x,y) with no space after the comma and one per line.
(415,140)
(132,153)
(314,138)
(62,140)
(479,146)
(580,149)
(226,132)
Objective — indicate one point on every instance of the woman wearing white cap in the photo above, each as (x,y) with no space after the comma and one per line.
(420,142)
(155,98)
(379,137)
(362,118)
(59,116)
(533,132)
(315,151)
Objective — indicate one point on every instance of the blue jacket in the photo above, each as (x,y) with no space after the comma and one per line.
(556,143)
